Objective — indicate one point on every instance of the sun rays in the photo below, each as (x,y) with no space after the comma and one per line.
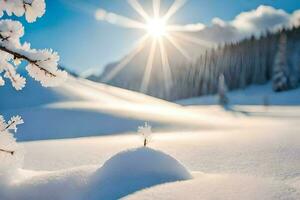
(157,32)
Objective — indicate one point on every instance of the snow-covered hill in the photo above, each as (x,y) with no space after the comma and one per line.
(81,108)
(131,75)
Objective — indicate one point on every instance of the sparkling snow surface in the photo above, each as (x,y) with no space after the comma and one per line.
(244,152)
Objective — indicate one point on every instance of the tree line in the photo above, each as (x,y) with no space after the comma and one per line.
(255,60)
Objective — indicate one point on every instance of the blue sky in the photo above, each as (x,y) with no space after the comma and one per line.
(70,28)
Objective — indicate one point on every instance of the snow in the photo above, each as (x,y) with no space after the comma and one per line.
(11,154)
(240,152)
(245,152)
(122,174)
(82,108)
(10,163)
(259,161)
(215,186)
(253,95)
(132,170)
(63,184)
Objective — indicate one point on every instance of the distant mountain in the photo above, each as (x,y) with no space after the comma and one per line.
(131,75)
(256,22)
(249,61)
(70,72)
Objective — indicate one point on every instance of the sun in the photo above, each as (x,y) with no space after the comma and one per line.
(157,27)
(158,32)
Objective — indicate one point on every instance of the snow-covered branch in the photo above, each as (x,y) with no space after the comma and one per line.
(42,64)
(5,127)
(7,151)
(11,124)
(32,9)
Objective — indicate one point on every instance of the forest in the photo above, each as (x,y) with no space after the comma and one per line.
(251,61)
(254,60)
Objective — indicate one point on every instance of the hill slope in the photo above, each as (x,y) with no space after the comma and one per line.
(83,108)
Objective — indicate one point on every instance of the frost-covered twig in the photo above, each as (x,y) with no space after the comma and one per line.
(6,127)
(7,151)
(12,123)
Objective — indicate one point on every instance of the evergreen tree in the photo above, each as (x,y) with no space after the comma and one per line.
(280,70)
(222,90)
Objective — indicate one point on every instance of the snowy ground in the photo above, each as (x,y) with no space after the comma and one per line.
(246,152)
(253,95)
(81,108)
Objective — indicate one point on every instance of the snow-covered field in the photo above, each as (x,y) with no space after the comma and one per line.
(245,152)
(82,108)
(253,95)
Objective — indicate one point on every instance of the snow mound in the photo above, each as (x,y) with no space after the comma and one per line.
(47,185)
(132,170)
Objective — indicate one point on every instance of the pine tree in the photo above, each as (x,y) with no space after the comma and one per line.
(280,70)
(222,90)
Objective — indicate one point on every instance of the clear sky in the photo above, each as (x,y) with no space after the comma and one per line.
(70,28)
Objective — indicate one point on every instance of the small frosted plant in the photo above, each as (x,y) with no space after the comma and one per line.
(145,132)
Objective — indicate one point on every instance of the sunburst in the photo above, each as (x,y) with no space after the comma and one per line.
(157,31)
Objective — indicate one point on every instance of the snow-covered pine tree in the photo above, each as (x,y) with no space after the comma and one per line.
(222,90)
(41,66)
(280,76)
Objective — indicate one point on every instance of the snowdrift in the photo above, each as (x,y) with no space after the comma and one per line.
(121,175)
(133,170)
(47,185)
(219,186)
(260,161)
